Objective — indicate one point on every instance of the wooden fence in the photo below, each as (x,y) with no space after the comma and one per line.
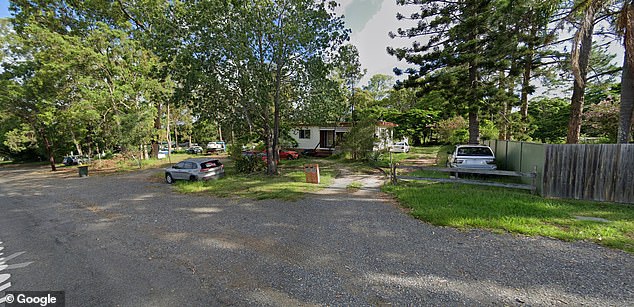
(592,172)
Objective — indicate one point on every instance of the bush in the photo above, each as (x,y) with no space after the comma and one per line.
(359,141)
(235,150)
(108,155)
(488,131)
(249,164)
(453,130)
(459,136)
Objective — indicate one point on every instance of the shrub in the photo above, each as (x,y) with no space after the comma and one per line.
(359,141)
(459,136)
(249,164)
(235,150)
(488,131)
(453,130)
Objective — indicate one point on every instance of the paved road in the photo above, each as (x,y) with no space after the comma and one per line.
(130,240)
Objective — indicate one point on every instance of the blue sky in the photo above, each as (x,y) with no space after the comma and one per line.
(4,8)
(370,21)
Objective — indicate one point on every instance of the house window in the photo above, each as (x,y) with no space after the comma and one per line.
(304,134)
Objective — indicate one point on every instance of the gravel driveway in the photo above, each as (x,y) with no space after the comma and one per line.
(131,240)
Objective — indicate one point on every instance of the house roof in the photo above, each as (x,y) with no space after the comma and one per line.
(386,124)
(346,124)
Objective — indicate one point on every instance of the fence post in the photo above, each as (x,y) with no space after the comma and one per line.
(393,179)
(521,155)
(534,191)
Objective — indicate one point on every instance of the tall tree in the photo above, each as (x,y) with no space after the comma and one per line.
(580,58)
(256,58)
(626,115)
(379,86)
(458,42)
(77,75)
(350,72)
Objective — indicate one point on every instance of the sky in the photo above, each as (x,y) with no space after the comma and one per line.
(4,8)
(370,22)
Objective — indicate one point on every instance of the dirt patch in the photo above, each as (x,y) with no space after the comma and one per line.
(420,162)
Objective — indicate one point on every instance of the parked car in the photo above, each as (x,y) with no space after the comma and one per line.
(284,154)
(249,153)
(75,160)
(472,156)
(194,150)
(289,154)
(399,147)
(216,146)
(195,169)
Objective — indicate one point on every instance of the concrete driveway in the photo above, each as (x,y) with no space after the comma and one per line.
(130,240)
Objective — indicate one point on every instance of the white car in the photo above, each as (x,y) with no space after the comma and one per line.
(399,147)
(472,156)
(216,146)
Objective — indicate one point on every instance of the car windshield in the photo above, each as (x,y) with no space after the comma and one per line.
(475,151)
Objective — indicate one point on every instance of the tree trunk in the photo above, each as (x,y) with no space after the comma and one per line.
(175,135)
(76,143)
(582,46)
(626,115)
(157,126)
(167,132)
(276,115)
(502,116)
(220,131)
(576,111)
(526,83)
(474,124)
(49,151)
(271,166)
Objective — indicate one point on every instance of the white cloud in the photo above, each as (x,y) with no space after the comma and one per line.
(373,39)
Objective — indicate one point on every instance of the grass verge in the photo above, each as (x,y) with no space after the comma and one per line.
(132,165)
(291,185)
(354,186)
(504,210)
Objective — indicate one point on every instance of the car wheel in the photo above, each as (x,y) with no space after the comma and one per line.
(193,178)
(168,178)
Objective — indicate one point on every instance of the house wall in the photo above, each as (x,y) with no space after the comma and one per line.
(384,134)
(306,143)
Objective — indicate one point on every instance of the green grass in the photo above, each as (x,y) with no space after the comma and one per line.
(505,210)
(290,185)
(132,165)
(354,186)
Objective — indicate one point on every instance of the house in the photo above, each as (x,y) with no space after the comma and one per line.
(327,137)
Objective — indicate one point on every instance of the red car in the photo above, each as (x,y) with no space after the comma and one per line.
(288,154)
(284,155)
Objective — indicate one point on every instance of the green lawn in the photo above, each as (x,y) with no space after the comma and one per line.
(131,164)
(506,210)
(290,185)
(354,186)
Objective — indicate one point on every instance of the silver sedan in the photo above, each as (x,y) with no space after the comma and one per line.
(195,169)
